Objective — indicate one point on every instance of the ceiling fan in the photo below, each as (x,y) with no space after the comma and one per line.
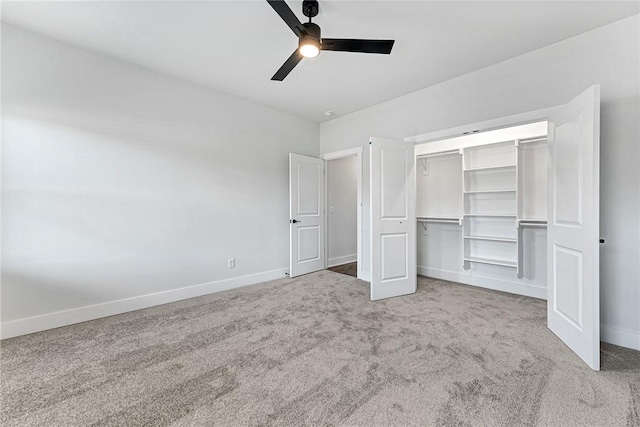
(309,41)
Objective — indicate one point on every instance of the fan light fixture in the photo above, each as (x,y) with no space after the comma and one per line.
(309,43)
(309,47)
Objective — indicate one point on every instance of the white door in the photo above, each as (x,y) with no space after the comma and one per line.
(393,218)
(573,301)
(306,214)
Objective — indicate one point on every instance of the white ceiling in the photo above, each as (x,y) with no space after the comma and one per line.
(236,46)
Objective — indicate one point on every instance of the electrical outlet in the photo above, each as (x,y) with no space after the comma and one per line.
(332,210)
(231,263)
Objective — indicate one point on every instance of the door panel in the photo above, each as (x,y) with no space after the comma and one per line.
(306,210)
(573,300)
(308,188)
(568,177)
(308,244)
(394,172)
(394,249)
(393,222)
(568,297)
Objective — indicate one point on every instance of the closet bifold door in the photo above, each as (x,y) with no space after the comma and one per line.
(393,218)
(490,206)
(573,299)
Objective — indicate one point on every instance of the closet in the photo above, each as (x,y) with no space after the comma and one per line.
(481,209)
(480,201)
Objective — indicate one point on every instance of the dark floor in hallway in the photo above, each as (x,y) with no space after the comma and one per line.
(350,269)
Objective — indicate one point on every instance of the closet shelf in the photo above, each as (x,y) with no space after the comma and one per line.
(488,168)
(534,139)
(488,191)
(532,223)
(488,215)
(492,239)
(500,262)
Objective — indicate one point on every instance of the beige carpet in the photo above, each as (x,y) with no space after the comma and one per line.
(315,351)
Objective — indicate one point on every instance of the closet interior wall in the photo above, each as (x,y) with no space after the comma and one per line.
(481,208)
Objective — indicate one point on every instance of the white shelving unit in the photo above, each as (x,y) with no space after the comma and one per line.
(489,199)
(482,210)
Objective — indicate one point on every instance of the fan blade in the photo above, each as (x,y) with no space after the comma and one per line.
(358,45)
(288,16)
(288,65)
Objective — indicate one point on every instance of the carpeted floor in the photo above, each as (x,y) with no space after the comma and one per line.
(350,269)
(315,351)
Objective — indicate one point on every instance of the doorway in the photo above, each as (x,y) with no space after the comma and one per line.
(343,201)
(342,215)
(308,228)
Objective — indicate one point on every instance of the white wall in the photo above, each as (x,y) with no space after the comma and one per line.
(119,182)
(342,214)
(543,78)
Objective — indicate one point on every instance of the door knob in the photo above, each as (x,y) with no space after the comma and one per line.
(293,221)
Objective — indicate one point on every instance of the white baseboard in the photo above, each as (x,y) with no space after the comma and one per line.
(619,336)
(332,262)
(485,282)
(43,322)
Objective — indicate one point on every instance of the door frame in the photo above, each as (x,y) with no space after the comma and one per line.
(484,126)
(357,152)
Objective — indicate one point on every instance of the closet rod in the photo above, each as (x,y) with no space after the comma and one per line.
(443,153)
(441,220)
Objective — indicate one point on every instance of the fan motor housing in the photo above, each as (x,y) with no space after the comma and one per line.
(313,30)
(310,8)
